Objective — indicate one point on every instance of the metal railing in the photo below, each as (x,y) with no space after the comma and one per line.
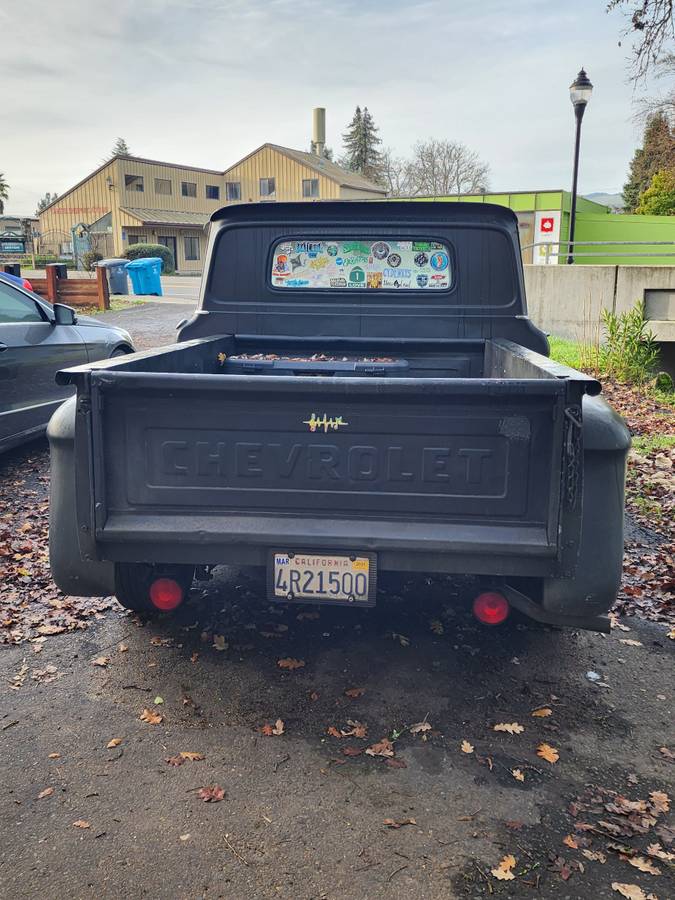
(574,244)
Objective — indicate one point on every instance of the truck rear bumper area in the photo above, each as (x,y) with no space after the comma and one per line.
(401,546)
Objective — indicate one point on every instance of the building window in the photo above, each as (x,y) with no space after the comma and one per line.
(212,192)
(162,186)
(134,183)
(310,187)
(191,245)
(267,187)
(188,188)
(233,190)
(138,239)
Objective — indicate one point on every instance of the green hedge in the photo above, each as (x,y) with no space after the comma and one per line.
(143,251)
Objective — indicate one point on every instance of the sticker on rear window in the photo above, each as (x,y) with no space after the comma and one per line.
(368,265)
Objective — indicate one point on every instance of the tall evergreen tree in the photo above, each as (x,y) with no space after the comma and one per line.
(361,143)
(656,154)
(44,202)
(120,148)
(4,192)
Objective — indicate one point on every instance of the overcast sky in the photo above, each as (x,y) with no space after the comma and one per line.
(204,82)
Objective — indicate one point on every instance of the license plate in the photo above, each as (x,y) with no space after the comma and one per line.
(323,578)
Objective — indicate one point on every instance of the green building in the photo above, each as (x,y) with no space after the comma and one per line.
(544,220)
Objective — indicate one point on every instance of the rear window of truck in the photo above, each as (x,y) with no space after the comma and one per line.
(366,264)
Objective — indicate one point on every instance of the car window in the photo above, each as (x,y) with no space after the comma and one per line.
(15,307)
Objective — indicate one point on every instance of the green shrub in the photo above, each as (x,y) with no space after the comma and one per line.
(143,251)
(629,352)
(90,258)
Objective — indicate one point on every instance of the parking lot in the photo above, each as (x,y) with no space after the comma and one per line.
(245,750)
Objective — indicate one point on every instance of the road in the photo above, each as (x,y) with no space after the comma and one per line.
(97,802)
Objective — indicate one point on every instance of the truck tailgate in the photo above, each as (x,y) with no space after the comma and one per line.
(447,464)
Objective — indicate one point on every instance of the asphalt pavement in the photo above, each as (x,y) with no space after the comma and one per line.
(105,793)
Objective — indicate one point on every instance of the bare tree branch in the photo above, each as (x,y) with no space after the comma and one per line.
(652,22)
(441,167)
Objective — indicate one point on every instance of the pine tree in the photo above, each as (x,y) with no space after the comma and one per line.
(656,154)
(361,142)
(121,148)
(44,202)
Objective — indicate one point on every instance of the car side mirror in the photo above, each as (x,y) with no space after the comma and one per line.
(64,315)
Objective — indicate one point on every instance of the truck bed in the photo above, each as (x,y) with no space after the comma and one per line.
(449,448)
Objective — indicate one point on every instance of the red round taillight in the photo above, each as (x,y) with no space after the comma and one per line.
(166,594)
(491,608)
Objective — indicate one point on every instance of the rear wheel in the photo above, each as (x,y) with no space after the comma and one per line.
(149,589)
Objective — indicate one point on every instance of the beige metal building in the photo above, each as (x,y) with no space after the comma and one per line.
(131,200)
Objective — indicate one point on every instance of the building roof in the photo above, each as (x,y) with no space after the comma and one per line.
(323,166)
(167,217)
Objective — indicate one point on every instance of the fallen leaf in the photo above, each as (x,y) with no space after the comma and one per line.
(518,774)
(290,663)
(194,657)
(355,692)
(276,729)
(122,648)
(420,727)
(513,824)
(671,634)
(396,763)
(352,751)
(657,851)
(570,841)
(46,793)
(631,891)
(503,872)
(660,802)
(151,717)
(101,661)
(333,731)
(630,643)
(543,713)
(81,823)
(313,696)
(184,837)
(192,756)
(392,823)
(594,855)
(436,626)
(510,727)
(175,760)
(381,748)
(643,864)
(54,756)
(668,754)
(219,642)
(212,794)
(114,742)
(467,747)
(356,729)
(159,701)
(401,638)
(550,754)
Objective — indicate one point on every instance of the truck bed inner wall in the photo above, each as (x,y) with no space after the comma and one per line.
(442,464)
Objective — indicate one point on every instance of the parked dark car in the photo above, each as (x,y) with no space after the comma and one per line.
(36,340)
(360,391)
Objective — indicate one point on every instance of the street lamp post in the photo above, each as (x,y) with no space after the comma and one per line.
(580,93)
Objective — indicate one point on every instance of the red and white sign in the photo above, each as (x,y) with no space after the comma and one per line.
(547,232)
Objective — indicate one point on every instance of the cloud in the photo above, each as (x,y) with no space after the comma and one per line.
(205,81)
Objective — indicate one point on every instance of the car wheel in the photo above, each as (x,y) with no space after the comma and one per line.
(120,351)
(149,590)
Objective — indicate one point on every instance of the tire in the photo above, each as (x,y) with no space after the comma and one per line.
(133,580)
(120,351)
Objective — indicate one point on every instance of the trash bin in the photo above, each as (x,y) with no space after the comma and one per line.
(144,274)
(61,269)
(117,275)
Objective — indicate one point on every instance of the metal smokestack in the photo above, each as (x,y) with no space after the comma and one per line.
(318,130)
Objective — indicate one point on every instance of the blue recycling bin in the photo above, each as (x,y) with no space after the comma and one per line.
(145,275)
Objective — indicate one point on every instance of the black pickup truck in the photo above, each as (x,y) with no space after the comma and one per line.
(359,391)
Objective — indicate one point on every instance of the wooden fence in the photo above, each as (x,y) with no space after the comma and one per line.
(74,291)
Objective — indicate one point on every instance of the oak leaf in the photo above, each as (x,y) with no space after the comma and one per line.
(101,661)
(660,802)
(631,891)
(381,748)
(191,755)
(392,823)
(594,855)
(46,793)
(510,727)
(420,727)
(356,729)
(175,760)
(657,851)
(81,823)
(630,643)
(333,731)
(518,774)
(289,663)
(436,626)
(54,756)
(503,872)
(396,763)
(151,717)
(211,794)
(353,693)
(219,642)
(112,743)
(467,747)
(644,865)
(550,754)
(570,841)
(352,751)
(542,713)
